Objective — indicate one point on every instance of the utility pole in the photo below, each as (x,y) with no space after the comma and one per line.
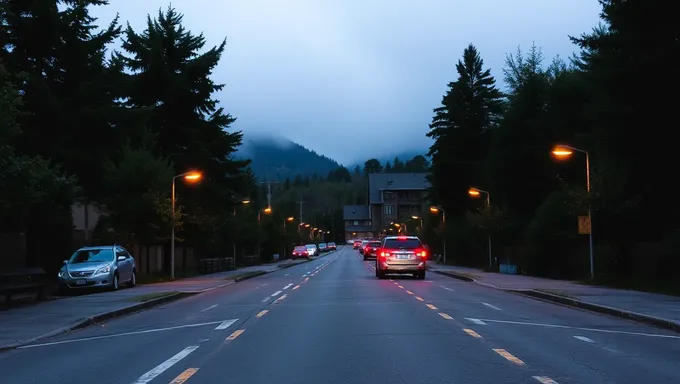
(301,202)
(269,191)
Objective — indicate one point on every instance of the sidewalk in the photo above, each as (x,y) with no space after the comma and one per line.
(33,322)
(652,308)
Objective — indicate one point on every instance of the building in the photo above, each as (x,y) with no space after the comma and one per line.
(396,197)
(357,222)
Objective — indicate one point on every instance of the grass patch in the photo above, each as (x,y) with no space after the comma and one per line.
(244,275)
(150,296)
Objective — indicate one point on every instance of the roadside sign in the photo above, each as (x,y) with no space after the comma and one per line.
(584,225)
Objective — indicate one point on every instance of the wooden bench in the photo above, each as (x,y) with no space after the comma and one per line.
(28,280)
(217,264)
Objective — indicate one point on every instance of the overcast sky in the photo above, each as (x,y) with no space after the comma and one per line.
(353,79)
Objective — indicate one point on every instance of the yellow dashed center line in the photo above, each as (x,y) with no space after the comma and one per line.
(184,376)
(472,333)
(409,292)
(236,334)
(400,286)
(419,298)
(281,298)
(444,315)
(431,306)
(508,356)
(262,313)
(306,280)
(296,287)
(545,380)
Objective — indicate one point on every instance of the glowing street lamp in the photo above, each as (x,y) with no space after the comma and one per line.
(189,177)
(561,152)
(267,210)
(436,209)
(476,192)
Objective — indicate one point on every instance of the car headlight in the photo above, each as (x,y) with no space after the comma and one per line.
(106,269)
(61,274)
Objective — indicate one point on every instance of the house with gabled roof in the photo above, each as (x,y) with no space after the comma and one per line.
(357,222)
(396,197)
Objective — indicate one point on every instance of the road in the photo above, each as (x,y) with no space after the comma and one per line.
(331,321)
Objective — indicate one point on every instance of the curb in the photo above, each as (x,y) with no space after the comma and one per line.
(100,317)
(651,320)
(250,276)
(454,275)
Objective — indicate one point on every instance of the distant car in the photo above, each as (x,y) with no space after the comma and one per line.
(371,249)
(357,244)
(300,251)
(312,249)
(332,246)
(401,255)
(363,246)
(105,266)
(323,247)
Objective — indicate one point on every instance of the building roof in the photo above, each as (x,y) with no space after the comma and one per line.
(355,212)
(394,181)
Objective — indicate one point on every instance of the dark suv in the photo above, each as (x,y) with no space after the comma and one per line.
(401,255)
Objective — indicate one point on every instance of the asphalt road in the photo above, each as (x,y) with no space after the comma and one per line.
(331,321)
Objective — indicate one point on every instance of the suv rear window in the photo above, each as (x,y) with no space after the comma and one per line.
(403,243)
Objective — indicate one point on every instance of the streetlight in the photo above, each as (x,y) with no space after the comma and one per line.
(436,210)
(190,177)
(563,152)
(418,218)
(476,192)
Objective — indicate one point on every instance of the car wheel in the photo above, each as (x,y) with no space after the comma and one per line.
(421,275)
(114,283)
(133,279)
(365,258)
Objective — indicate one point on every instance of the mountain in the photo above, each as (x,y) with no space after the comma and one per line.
(276,158)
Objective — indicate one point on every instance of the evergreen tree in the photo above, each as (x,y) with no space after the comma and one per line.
(372,166)
(388,167)
(397,165)
(471,106)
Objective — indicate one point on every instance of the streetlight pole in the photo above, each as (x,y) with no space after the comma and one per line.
(566,151)
(189,176)
(475,192)
(437,209)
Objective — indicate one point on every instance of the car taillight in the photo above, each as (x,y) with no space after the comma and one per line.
(384,253)
(421,252)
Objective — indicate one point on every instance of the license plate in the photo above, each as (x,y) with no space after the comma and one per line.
(402,257)
(81,282)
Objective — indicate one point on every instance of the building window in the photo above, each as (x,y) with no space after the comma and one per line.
(389,210)
(356,222)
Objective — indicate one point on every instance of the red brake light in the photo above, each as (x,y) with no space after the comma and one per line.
(401,237)
(421,252)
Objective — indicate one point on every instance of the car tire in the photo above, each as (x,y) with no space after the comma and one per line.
(421,275)
(365,258)
(133,279)
(114,284)
(381,274)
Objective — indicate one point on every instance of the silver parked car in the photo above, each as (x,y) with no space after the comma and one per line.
(105,266)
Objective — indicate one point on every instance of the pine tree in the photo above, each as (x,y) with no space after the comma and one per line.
(471,106)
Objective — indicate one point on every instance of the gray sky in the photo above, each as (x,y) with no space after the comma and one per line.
(354,79)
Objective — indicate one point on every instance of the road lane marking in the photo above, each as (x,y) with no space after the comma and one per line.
(476,321)
(409,292)
(583,338)
(209,308)
(266,299)
(492,306)
(296,287)
(280,298)
(400,286)
(287,274)
(583,329)
(419,298)
(287,286)
(431,306)
(472,333)
(306,280)
(162,367)
(447,288)
(236,334)
(225,324)
(262,313)
(184,376)
(120,334)
(276,293)
(544,380)
(508,356)
(444,315)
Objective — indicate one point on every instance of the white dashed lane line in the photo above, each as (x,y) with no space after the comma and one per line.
(225,324)
(276,293)
(287,286)
(583,338)
(475,321)
(164,366)
(491,306)
(209,308)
